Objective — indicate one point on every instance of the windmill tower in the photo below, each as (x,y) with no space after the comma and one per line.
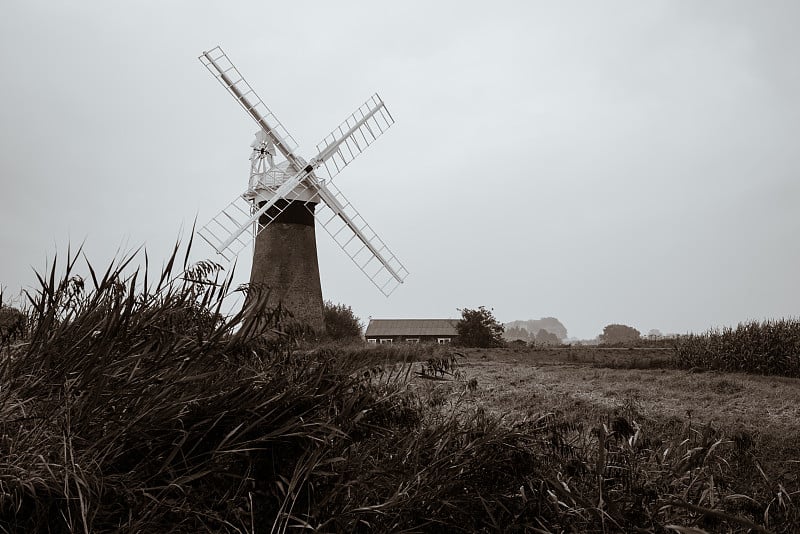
(286,195)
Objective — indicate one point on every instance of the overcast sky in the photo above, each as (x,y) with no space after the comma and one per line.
(626,162)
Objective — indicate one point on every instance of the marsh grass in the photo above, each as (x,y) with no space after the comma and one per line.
(136,405)
(768,347)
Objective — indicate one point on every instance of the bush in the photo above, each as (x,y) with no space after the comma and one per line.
(12,324)
(341,323)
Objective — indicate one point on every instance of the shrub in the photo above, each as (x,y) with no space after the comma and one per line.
(341,323)
(12,324)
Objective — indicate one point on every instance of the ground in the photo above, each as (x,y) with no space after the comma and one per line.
(526,381)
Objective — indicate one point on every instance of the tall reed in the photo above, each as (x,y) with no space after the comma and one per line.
(768,347)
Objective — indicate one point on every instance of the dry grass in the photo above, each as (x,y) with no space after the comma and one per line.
(726,398)
(754,412)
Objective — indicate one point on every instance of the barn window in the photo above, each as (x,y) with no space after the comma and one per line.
(412,340)
(443,340)
(372,340)
(386,340)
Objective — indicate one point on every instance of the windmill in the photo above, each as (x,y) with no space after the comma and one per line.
(285,196)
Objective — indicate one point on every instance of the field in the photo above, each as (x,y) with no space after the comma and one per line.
(522,382)
(590,382)
(592,386)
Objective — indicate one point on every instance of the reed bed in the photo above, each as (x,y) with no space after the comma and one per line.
(135,405)
(768,347)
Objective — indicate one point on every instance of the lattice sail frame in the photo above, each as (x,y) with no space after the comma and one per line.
(369,121)
(226,73)
(358,240)
(335,213)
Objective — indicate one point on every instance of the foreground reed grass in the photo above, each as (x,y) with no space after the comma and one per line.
(769,347)
(137,406)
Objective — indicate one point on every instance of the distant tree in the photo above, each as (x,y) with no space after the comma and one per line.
(554,326)
(515,333)
(619,333)
(655,333)
(479,328)
(341,322)
(532,326)
(543,337)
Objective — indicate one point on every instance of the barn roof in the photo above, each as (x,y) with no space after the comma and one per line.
(412,327)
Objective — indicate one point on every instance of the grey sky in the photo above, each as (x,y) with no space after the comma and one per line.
(600,162)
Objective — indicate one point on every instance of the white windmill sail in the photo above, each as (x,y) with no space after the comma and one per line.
(255,210)
(218,64)
(224,231)
(337,215)
(353,135)
(358,240)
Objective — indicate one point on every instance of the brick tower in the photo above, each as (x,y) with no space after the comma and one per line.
(285,263)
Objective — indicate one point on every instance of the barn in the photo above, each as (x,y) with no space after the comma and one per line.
(411,331)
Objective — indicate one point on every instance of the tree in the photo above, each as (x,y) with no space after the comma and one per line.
(341,322)
(516,333)
(532,326)
(619,333)
(479,328)
(543,337)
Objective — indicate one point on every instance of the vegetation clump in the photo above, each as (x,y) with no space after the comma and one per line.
(12,322)
(769,347)
(341,323)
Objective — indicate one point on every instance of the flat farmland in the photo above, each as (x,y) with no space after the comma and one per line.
(592,385)
(524,382)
